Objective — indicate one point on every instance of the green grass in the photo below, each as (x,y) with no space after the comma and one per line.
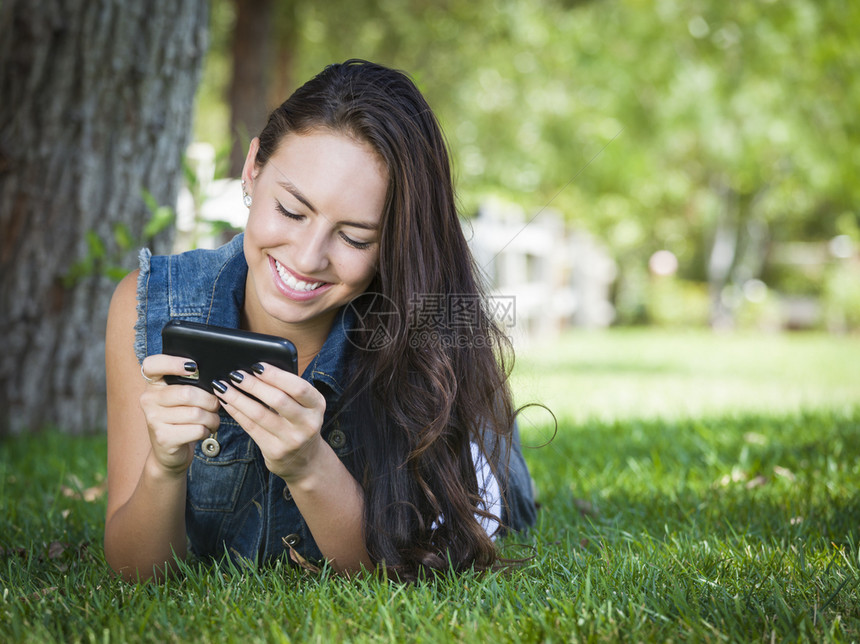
(699,488)
(635,374)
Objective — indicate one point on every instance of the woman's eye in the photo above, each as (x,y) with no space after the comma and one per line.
(355,244)
(297,217)
(287,213)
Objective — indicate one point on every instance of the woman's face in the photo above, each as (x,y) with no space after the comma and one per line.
(312,239)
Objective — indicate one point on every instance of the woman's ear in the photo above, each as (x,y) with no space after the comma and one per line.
(249,170)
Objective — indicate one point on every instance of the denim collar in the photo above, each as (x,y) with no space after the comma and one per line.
(329,366)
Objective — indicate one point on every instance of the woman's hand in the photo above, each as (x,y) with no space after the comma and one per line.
(177,416)
(287,427)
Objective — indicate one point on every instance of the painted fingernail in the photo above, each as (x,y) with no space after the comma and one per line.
(190,366)
(236,376)
(220,386)
(257,368)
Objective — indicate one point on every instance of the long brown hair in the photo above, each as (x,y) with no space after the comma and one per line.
(431,394)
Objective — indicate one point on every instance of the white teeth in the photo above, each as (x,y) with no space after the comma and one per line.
(292,282)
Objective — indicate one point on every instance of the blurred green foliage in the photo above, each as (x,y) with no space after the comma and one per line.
(654,124)
(842,297)
(672,302)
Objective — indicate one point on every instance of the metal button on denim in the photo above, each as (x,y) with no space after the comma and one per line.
(288,496)
(337,439)
(292,540)
(211,447)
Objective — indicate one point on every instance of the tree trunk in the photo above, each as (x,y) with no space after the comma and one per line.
(286,26)
(723,256)
(96,108)
(252,38)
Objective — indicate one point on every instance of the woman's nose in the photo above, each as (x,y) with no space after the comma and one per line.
(311,254)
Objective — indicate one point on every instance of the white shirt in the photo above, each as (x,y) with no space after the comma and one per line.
(488,488)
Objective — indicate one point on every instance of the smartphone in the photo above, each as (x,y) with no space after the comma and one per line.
(219,350)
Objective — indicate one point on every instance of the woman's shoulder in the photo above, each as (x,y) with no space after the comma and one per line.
(124,297)
(122,313)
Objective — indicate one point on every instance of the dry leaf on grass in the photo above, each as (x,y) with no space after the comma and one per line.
(784,473)
(56,549)
(89,495)
(757,481)
(585,508)
(301,561)
(41,593)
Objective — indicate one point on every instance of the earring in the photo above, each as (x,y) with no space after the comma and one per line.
(246,198)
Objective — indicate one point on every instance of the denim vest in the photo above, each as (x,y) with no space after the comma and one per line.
(234,503)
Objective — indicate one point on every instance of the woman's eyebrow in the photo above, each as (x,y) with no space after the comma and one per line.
(289,187)
(359,224)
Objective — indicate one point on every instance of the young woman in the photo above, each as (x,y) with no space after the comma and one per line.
(399,451)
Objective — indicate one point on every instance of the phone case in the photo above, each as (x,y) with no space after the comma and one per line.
(218,351)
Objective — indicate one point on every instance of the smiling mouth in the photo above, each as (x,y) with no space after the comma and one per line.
(297,285)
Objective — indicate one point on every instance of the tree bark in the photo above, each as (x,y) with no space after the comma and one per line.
(96,109)
(286,25)
(252,40)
